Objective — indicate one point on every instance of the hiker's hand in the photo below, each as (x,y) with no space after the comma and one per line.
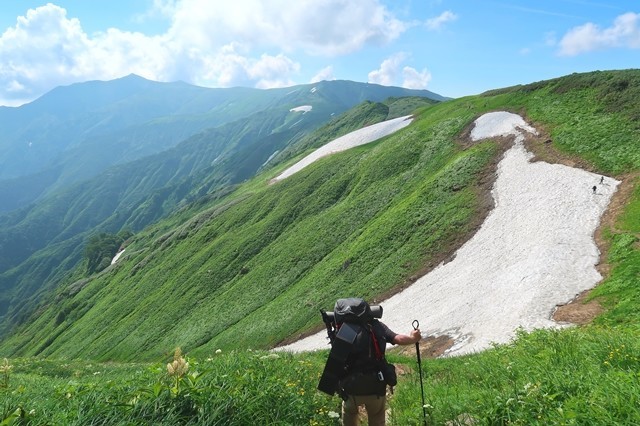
(416,335)
(407,339)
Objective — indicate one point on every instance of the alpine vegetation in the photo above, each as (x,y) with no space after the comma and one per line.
(505,223)
(533,252)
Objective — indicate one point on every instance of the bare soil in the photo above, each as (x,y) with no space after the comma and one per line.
(430,347)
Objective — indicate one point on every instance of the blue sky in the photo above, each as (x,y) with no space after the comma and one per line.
(451,47)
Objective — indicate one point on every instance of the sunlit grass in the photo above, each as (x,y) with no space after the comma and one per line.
(226,293)
(583,375)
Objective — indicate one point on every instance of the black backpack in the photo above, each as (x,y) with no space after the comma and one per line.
(356,363)
(352,310)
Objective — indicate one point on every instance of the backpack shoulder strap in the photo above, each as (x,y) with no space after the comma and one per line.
(376,345)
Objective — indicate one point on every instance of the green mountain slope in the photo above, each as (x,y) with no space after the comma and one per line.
(43,242)
(580,375)
(253,268)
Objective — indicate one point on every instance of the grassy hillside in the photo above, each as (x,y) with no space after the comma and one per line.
(252,269)
(333,228)
(582,376)
(363,222)
(43,242)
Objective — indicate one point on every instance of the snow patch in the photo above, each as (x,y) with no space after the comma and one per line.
(117,256)
(499,123)
(302,108)
(356,138)
(534,251)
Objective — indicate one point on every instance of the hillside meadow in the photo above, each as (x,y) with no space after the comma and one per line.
(125,153)
(229,280)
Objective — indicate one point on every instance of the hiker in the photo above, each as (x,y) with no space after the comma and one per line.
(594,189)
(375,403)
(601,180)
(357,369)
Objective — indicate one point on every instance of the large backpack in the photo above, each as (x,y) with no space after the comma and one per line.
(356,363)
(352,310)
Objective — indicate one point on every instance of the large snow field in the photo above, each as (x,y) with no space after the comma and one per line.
(534,251)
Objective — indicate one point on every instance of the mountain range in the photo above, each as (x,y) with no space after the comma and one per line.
(483,217)
(105,157)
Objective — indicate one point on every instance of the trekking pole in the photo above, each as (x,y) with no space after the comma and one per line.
(415,325)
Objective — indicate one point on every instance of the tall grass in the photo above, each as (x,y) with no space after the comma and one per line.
(578,376)
(237,388)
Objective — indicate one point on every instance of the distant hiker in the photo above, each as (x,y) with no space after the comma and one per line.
(601,180)
(594,189)
(357,369)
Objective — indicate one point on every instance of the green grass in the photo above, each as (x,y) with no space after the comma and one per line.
(237,388)
(354,224)
(580,376)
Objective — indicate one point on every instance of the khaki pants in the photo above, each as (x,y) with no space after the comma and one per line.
(374,404)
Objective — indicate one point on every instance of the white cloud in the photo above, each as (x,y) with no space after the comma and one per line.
(329,27)
(229,68)
(414,79)
(14,86)
(39,38)
(46,49)
(387,74)
(273,71)
(438,22)
(325,73)
(163,7)
(211,43)
(625,32)
(391,69)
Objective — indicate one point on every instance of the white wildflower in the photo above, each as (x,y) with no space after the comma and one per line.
(179,366)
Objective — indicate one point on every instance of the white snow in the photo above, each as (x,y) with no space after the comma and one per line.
(534,251)
(117,256)
(302,108)
(359,137)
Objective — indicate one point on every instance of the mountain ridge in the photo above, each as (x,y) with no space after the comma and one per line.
(70,128)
